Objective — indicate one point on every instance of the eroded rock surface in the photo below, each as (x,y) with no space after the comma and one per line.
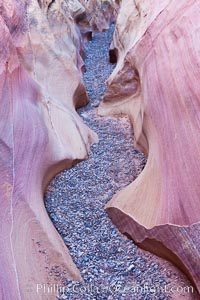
(111,265)
(40,135)
(156,82)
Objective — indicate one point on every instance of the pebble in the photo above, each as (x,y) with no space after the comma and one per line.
(131,267)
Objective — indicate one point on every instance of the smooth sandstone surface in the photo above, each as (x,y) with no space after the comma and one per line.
(156,82)
(40,135)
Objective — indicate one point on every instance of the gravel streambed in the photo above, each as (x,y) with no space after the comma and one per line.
(111,266)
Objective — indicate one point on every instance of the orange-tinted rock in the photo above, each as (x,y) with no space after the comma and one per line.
(156,82)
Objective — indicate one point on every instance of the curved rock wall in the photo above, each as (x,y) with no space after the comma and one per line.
(156,82)
(40,135)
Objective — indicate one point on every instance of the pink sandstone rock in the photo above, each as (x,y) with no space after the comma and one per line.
(100,13)
(40,135)
(156,82)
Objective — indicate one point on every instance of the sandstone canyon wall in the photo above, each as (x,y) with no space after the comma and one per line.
(40,135)
(156,82)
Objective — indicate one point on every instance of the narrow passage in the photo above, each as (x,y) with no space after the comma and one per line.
(111,265)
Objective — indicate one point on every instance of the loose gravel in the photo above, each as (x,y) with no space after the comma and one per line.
(111,265)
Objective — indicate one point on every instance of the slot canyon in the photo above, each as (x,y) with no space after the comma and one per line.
(99,151)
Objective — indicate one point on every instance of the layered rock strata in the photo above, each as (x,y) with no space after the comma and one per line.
(156,82)
(40,134)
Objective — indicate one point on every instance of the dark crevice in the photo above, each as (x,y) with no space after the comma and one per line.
(113,56)
(50,4)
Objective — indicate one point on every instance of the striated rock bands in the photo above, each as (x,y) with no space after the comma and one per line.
(40,134)
(156,82)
